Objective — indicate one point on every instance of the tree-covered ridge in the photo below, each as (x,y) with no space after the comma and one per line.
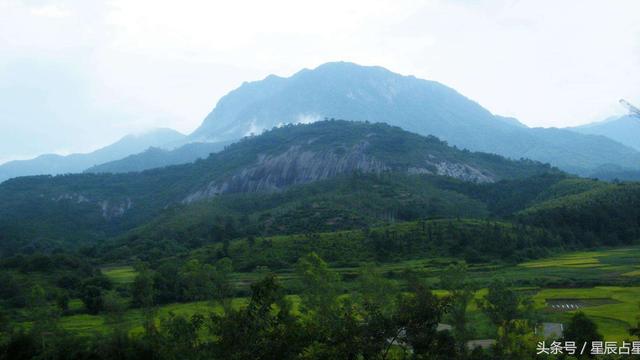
(71,209)
(472,240)
(605,214)
(396,148)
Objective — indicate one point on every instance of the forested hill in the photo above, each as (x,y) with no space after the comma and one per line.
(77,208)
(306,179)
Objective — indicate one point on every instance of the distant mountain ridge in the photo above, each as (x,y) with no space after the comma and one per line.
(624,129)
(51,164)
(347,90)
(155,157)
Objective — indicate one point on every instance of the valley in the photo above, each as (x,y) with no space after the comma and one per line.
(336,224)
(584,277)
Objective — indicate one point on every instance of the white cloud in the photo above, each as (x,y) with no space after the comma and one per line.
(51,11)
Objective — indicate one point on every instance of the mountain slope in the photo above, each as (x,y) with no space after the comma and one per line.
(624,129)
(300,154)
(85,207)
(346,90)
(55,164)
(155,157)
(606,213)
(349,91)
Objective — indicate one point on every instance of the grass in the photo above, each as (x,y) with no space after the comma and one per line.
(632,273)
(133,319)
(120,275)
(605,258)
(613,319)
(603,267)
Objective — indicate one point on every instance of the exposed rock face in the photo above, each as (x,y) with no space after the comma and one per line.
(463,172)
(294,166)
(299,166)
(114,209)
(110,209)
(77,198)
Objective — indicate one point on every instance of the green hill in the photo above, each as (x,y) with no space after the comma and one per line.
(73,210)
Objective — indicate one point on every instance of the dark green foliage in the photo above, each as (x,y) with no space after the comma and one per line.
(320,285)
(62,300)
(175,281)
(265,329)
(455,280)
(343,203)
(474,240)
(21,346)
(512,315)
(179,337)
(327,325)
(501,304)
(582,330)
(605,215)
(166,283)
(44,213)
(12,293)
(418,317)
(92,299)
(142,291)
(191,250)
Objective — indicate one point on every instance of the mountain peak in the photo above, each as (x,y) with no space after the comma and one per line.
(345,90)
(348,66)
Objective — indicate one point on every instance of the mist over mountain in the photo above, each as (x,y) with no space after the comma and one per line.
(623,129)
(51,164)
(347,90)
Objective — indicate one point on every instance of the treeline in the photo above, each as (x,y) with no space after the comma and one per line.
(574,213)
(45,212)
(375,320)
(24,279)
(605,216)
(568,213)
(54,280)
(472,240)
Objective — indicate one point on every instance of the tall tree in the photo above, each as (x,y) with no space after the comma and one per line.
(418,317)
(510,314)
(455,280)
(375,291)
(142,289)
(92,299)
(264,329)
(582,330)
(320,286)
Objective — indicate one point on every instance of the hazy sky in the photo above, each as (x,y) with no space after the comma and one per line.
(77,75)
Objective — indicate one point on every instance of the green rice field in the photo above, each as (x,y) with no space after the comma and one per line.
(613,308)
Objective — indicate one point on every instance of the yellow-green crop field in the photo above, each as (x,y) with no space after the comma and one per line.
(120,274)
(614,316)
